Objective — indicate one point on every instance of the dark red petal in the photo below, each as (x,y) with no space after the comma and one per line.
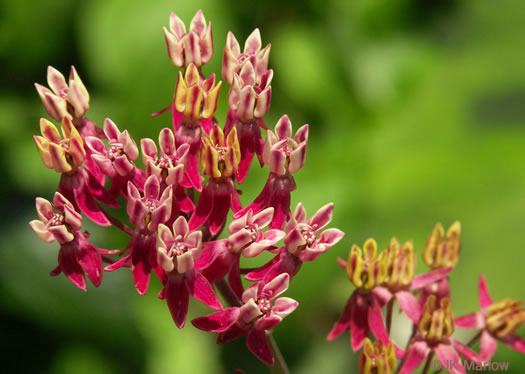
(177,297)
(234,332)
(199,287)
(141,273)
(90,260)
(95,189)
(204,207)
(221,206)
(359,322)
(343,323)
(258,344)
(219,321)
(515,342)
(234,278)
(70,267)
(259,273)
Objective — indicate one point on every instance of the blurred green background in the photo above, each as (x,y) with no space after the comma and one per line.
(417,115)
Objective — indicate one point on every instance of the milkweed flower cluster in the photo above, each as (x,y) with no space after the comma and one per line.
(179,190)
(382,279)
(178,202)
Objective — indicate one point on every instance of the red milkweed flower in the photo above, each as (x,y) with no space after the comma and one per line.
(177,251)
(61,222)
(498,322)
(262,309)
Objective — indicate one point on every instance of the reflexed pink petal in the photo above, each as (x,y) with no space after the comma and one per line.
(488,345)
(204,207)
(267,322)
(231,334)
(342,263)
(71,268)
(417,352)
(471,321)
(515,342)
(90,260)
(359,327)
(199,287)
(409,305)
(93,188)
(221,206)
(283,306)
(177,297)
(448,357)
(257,343)
(484,296)
(344,321)
(465,351)
(123,262)
(277,286)
(423,280)
(234,278)
(88,206)
(217,322)
(375,321)
(259,273)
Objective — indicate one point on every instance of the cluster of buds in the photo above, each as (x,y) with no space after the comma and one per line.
(178,203)
(382,279)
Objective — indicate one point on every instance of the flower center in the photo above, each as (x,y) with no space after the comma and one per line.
(151,204)
(286,149)
(178,247)
(56,219)
(254,230)
(114,151)
(265,306)
(309,236)
(504,317)
(63,92)
(166,161)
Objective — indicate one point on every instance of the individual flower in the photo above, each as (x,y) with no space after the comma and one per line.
(248,98)
(362,313)
(434,334)
(116,160)
(262,309)
(64,155)
(285,156)
(400,278)
(177,251)
(498,322)
(219,160)
(195,98)
(195,47)
(234,60)
(57,220)
(77,257)
(169,164)
(64,99)
(377,358)
(247,237)
(148,211)
(305,241)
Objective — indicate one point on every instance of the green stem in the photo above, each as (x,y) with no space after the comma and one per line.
(429,361)
(124,228)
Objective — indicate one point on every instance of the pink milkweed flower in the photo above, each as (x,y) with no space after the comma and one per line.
(60,221)
(249,101)
(305,241)
(148,211)
(195,47)
(362,312)
(64,99)
(233,60)
(177,251)
(247,237)
(497,321)
(219,160)
(285,156)
(116,160)
(400,279)
(433,334)
(262,309)
(66,156)
(170,163)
